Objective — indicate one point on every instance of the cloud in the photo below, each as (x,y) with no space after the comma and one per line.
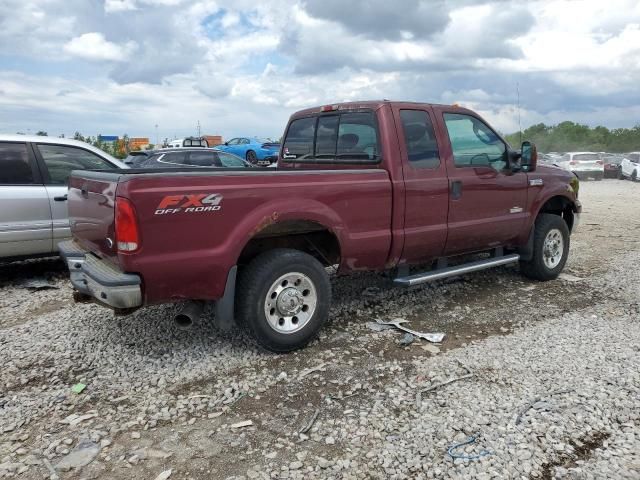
(119,5)
(93,46)
(382,19)
(242,67)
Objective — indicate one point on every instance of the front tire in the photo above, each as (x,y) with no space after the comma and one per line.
(634,176)
(282,299)
(550,248)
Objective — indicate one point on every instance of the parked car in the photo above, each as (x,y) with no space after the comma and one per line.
(33,190)
(193,158)
(377,186)
(136,157)
(584,164)
(630,166)
(188,142)
(256,151)
(612,163)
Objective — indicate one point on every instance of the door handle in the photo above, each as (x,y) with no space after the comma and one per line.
(456,189)
(61,198)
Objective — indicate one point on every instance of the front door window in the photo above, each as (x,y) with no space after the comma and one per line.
(474,144)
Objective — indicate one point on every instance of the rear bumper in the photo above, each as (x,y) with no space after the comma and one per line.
(94,277)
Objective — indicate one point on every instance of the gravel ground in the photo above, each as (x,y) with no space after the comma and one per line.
(546,378)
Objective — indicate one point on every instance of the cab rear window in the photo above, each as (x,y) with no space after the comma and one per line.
(348,137)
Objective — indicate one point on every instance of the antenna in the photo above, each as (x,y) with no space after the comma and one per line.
(519,124)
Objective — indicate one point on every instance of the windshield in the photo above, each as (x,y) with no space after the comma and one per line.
(586,156)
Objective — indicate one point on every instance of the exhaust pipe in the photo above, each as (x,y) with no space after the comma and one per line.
(188,314)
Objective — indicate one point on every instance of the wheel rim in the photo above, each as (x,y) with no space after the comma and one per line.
(553,248)
(290,302)
(251,157)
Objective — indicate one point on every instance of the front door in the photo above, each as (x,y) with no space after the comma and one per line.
(487,201)
(426,187)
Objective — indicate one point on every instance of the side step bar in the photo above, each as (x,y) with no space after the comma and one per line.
(439,273)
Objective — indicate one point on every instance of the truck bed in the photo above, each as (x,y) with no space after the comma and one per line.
(188,243)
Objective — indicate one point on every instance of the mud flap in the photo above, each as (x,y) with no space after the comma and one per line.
(526,251)
(225,307)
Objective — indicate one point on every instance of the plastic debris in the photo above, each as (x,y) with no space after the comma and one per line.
(569,278)
(378,327)
(38,284)
(430,337)
(164,475)
(246,423)
(308,371)
(453,454)
(78,388)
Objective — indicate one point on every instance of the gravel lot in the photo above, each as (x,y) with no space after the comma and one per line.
(551,387)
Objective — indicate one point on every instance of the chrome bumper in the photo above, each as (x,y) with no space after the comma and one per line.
(94,277)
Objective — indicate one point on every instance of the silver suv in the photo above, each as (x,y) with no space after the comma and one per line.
(33,190)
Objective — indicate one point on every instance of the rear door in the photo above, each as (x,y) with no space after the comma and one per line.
(25,216)
(57,162)
(426,185)
(487,202)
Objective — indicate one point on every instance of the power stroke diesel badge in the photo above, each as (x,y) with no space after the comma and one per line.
(189,203)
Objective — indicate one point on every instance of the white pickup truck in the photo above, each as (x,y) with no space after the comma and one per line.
(33,190)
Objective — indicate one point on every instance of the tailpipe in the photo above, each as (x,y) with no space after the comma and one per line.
(189,314)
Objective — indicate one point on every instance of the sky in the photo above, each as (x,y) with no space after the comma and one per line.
(242,67)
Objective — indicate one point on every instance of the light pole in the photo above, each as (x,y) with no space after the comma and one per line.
(157,138)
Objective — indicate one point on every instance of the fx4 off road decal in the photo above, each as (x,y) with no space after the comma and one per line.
(189,203)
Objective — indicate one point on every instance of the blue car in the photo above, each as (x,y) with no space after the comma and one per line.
(255,150)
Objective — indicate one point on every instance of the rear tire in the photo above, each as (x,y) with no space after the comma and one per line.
(252,158)
(550,248)
(282,299)
(634,176)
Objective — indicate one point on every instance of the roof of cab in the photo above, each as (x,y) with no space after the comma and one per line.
(367,105)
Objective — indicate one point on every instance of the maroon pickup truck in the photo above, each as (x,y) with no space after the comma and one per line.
(359,186)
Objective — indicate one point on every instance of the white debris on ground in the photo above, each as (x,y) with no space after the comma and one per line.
(546,378)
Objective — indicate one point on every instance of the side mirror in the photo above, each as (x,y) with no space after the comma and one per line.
(226,144)
(529,157)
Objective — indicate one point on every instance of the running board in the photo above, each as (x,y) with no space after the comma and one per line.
(437,274)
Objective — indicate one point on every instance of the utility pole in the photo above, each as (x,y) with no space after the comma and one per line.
(157,138)
(198,128)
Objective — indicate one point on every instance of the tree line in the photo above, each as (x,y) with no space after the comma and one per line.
(570,136)
(119,149)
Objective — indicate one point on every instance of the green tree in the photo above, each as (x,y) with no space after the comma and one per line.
(41,133)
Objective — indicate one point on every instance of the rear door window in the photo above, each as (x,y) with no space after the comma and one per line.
(420,139)
(166,160)
(15,167)
(203,159)
(60,160)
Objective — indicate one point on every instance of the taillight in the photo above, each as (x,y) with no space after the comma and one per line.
(599,162)
(127,236)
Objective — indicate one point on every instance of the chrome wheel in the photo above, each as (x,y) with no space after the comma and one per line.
(553,248)
(290,303)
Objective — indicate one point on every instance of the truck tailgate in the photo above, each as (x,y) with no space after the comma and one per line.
(91,211)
